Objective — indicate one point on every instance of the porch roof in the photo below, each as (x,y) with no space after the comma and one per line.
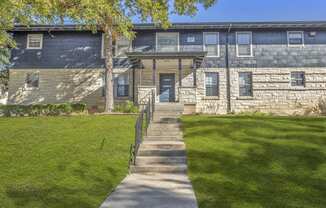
(136,57)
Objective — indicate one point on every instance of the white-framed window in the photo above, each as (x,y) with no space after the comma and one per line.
(167,42)
(245,84)
(295,38)
(34,41)
(298,79)
(32,80)
(212,44)
(122,85)
(212,84)
(244,44)
(121,46)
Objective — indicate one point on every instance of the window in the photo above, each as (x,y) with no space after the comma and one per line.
(244,44)
(34,41)
(122,83)
(32,80)
(211,43)
(295,38)
(212,83)
(245,84)
(167,42)
(297,79)
(121,46)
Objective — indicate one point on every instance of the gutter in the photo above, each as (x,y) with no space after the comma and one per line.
(227,66)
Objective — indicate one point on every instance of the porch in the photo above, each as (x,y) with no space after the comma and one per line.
(172,76)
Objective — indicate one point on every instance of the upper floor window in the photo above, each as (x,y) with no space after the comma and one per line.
(295,38)
(167,42)
(34,41)
(211,43)
(245,84)
(122,85)
(244,44)
(297,79)
(32,80)
(212,83)
(121,46)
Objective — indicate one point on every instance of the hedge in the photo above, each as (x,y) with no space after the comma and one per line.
(42,109)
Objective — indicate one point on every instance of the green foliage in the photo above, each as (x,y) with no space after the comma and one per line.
(127,107)
(42,109)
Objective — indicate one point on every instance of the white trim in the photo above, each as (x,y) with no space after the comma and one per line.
(102,46)
(237,48)
(218,43)
(288,38)
(178,37)
(39,35)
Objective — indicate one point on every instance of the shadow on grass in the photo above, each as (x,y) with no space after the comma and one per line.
(257,162)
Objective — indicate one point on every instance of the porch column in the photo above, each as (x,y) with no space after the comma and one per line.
(194,71)
(180,72)
(154,72)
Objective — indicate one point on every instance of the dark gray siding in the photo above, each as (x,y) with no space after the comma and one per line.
(83,50)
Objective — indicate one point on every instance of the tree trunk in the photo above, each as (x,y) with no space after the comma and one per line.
(109,99)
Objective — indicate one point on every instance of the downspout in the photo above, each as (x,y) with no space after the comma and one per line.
(227,66)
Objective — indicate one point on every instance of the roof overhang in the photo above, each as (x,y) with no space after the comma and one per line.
(136,57)
(191,26)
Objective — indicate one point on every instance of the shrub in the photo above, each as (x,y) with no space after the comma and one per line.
(127,107)
(42,109)
(322,106)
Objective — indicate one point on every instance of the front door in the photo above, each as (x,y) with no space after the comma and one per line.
(167,88)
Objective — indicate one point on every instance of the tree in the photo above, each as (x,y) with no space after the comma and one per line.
(112,17)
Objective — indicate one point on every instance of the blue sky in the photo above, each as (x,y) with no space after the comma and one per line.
(259,10)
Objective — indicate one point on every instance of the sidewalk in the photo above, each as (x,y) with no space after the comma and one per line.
(153,191)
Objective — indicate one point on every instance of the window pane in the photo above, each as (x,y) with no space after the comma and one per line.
(297,79)
(211,50)
(32,80)
(295,38)
(122,84)
(34,41)
(244,38)
(122,46)
(211,39)
(244,50)
(245,84)
(167,42)
(211,83)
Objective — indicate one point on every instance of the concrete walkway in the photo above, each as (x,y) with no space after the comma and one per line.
(153,191)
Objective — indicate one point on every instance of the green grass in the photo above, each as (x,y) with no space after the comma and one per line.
(58,162)
(253,162)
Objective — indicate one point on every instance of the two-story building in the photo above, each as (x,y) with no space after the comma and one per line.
(209,67)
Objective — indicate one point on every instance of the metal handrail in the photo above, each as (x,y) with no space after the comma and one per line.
(141,128)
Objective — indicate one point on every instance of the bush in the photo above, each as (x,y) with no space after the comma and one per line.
(127,107)
(42,109)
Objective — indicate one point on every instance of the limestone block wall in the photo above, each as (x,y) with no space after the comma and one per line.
(273,93)
(144,93)
(211,105)
(59,86)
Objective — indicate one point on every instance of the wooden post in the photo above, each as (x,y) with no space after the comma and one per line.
(180,73)
(194,71)
(154,72)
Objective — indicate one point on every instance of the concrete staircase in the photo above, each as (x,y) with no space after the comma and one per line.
(163,149)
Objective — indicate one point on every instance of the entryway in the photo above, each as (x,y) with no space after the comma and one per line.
(167,88)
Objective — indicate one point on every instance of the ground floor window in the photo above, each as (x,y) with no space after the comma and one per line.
(32,80)
(122,85)
(212,83)
(245,84)
(297,79)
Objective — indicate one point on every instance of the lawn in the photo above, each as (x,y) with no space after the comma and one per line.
(58,162)
(254,162)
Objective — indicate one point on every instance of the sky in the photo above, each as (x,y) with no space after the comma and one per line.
(258,10)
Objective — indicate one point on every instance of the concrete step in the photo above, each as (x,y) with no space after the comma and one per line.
(163,132)
(169,107)
(163,138)
(159,169)
(160,152)
(163,145)
(160,160)
(158,125)
(165,119)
